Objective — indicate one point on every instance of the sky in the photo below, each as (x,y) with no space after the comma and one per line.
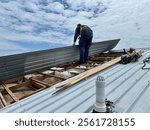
(30,25)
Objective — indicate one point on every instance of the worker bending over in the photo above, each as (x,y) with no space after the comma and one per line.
(85,35)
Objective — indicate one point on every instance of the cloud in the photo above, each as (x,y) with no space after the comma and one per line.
(55,7)
(11,48)
(54,21)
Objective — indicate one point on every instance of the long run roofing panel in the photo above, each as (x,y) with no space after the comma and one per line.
(21,64)
(128,86)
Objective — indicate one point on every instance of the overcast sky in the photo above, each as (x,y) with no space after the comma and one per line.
(28,25)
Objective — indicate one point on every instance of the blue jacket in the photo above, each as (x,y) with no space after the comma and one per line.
(84,31)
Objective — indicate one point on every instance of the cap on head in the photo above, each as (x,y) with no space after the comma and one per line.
(79,25)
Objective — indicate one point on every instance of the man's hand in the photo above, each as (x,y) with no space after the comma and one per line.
(79,37)
(73,43)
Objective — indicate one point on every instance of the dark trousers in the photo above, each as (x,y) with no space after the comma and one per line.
(84,45)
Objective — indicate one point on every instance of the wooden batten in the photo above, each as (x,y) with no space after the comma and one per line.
(3,100)
(87,74)
(11,94)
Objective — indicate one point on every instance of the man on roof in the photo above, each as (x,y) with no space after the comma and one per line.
(85,35)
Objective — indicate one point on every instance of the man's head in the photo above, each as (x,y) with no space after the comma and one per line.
(79,25)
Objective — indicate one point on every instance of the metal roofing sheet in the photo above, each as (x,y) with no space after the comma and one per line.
(128,86)
(20,64)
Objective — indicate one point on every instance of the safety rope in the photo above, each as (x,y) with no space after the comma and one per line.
(147,60)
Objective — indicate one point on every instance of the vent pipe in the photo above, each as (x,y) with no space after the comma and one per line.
(100,105)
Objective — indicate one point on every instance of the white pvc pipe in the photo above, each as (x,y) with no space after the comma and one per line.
(100,105)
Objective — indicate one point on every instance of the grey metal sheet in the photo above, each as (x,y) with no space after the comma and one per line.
(17,65)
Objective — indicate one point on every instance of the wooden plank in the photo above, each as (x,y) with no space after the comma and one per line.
(87,74)
(26,83)
(10,93)
(38,85)
(13,80)
(38,81)
(3,100)
(32,93)
(1,104)
(1,89)
(55,83)
(102,58)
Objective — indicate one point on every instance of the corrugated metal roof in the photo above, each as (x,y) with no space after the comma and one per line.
(128,86)
(20,64)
